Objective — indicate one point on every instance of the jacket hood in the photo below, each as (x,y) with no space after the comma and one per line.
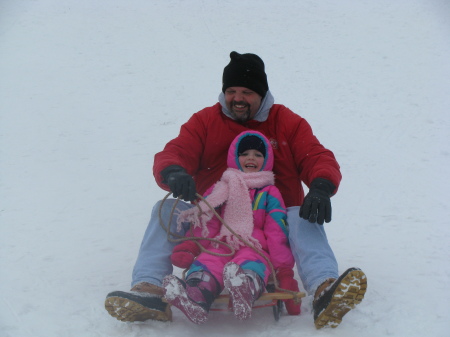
(233,155)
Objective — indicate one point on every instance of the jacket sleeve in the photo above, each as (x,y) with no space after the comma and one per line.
(276,230)
(312,159)
(185,150)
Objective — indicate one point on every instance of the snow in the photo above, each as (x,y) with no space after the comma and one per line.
(231,274)
(90,90)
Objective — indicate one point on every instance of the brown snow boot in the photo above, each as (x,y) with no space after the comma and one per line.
(143,302)
(334,298)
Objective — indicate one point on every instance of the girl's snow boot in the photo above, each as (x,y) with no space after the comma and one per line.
(193,297)
(244,287)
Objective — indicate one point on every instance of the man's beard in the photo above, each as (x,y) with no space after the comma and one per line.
(243,117)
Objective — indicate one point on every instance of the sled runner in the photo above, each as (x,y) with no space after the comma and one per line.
(271,298)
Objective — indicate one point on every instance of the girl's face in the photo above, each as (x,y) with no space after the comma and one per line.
(251,161)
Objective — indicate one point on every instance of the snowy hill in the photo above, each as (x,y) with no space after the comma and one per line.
(90,90)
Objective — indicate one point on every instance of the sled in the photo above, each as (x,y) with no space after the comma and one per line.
(271,298)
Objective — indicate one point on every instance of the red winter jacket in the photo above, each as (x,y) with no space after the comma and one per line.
(202,147)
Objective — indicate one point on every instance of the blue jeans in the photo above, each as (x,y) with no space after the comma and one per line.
(313,255)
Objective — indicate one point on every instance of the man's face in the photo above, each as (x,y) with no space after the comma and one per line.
(242,103)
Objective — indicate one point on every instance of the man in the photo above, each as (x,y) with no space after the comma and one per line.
(196,159)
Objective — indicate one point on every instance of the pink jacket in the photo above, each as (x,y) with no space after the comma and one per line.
(269,212)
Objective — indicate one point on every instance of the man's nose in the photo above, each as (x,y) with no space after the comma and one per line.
(238,97)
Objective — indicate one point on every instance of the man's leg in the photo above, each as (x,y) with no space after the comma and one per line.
(144,301)
(334,296)
(153,261)
(313,255)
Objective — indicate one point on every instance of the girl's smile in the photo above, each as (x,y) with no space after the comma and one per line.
(251,161)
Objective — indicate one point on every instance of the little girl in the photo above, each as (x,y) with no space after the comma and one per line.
(249,203)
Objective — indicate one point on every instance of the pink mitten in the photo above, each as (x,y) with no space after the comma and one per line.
(285,277)
(184,254)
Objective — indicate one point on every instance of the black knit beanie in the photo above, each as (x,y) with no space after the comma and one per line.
(245,70)
(252,143)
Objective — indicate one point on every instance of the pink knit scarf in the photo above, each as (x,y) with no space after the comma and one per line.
(231,189)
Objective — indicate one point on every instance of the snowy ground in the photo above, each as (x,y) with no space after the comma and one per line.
(90,90)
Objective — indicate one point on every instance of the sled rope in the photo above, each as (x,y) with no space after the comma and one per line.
(296,295)
(181,238)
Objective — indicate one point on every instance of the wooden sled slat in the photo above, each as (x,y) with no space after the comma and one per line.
(224,298)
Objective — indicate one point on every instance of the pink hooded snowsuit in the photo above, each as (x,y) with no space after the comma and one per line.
(269,231)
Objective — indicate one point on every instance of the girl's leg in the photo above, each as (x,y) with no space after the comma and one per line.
(249,260)
(244,278)
(211,263)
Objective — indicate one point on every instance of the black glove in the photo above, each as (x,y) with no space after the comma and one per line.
(317,205)
(181,184)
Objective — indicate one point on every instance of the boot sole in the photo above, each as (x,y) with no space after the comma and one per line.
(127,310)
(348,293)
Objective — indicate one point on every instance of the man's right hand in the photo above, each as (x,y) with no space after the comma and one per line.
(181,184)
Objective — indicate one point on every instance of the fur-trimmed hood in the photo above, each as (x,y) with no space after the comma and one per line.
(233,154)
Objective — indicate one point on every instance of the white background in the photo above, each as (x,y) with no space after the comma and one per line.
(90,90)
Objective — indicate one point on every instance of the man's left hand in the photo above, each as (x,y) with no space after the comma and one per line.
(317,205)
